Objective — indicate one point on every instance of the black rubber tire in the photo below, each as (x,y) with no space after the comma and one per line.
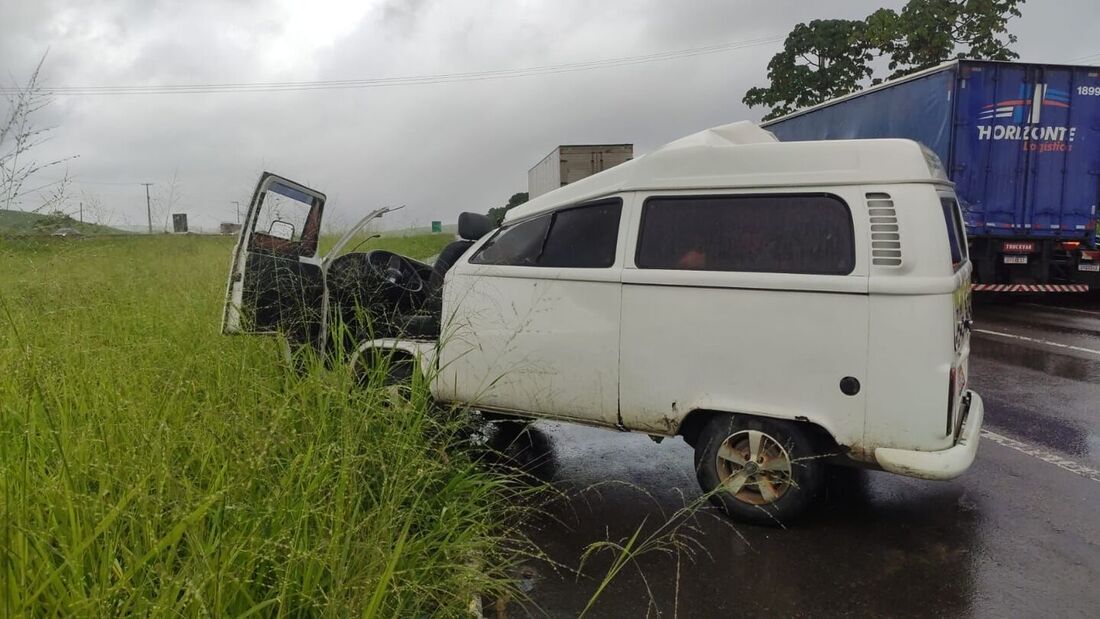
(808,475)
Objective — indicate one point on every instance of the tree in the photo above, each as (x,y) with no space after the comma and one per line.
(497,213)
(820,60)
(55,196)
(832,58)
(19,134)
(928,32)
(95,209)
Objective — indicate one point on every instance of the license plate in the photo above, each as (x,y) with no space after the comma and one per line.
(1089,267)
(1015,259)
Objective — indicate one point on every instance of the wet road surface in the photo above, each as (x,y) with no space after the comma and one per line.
(1017,535)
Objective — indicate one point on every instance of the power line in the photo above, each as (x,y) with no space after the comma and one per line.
(410,80)
(77,181)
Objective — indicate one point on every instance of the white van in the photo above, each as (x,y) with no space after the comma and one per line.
(781,306)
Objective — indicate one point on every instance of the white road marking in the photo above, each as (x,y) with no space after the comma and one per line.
(1063,309)
(1038,341)
(1044,455)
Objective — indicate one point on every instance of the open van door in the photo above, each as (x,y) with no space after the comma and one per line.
(276,283)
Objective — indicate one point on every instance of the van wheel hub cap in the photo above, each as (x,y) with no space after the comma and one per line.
(754,467)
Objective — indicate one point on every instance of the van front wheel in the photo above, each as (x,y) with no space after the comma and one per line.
(761,470)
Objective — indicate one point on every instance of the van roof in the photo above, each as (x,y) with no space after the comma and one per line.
(742,155)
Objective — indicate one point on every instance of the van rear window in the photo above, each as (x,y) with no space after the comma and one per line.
(788,233)
(956,234)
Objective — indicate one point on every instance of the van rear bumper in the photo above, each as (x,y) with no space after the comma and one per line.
(946,464)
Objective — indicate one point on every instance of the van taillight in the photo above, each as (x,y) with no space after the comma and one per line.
(950,400)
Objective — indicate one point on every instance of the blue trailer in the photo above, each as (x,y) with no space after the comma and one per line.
(1022,144)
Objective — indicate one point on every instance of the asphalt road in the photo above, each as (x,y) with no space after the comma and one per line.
(1017,535)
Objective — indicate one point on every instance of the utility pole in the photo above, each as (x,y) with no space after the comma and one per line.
(81,211)
(238,210)
(148,209)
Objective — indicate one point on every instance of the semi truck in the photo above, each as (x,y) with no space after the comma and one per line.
(1021,141)
(570,163)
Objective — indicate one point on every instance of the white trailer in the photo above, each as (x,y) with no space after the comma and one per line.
(572,162)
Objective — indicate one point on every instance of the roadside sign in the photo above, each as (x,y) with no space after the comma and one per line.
(179,222)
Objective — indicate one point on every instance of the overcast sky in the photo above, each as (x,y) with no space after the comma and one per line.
(439,148)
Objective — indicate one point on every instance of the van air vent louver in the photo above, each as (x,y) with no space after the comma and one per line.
(885,239)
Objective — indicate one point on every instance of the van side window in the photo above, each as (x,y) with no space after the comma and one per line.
(955,234)
(579,237)
(789,233)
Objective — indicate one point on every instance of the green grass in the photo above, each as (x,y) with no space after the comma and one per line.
(151,466)
(415,246)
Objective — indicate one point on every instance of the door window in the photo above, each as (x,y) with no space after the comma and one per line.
(583,237)
(288,221)
(791,233)
(517,245)
(580,237)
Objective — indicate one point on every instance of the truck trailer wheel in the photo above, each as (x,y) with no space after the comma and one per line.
(759,469)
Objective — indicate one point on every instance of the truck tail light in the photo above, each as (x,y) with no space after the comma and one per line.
(1093,254)
(1070,245)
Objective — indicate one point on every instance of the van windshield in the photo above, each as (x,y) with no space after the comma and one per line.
(956,235)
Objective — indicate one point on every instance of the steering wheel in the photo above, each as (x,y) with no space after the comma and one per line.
(398,272)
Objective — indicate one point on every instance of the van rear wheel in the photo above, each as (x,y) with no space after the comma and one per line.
(758,468)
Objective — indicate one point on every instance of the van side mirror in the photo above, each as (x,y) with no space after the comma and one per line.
(473,226)
(281,230)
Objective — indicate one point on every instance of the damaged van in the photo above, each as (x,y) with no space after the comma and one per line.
(783,307)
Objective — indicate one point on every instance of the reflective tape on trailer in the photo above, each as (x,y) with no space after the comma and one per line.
(1029,287)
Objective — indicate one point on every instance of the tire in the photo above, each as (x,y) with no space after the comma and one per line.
(774,490)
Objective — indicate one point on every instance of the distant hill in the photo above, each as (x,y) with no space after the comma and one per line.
(22,223)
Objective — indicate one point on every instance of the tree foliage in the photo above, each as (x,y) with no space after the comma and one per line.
(497,213)
(820,60)
(831,58)
(928,32)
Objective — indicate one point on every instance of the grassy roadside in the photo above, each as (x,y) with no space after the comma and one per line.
(150,465)
(415,246)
